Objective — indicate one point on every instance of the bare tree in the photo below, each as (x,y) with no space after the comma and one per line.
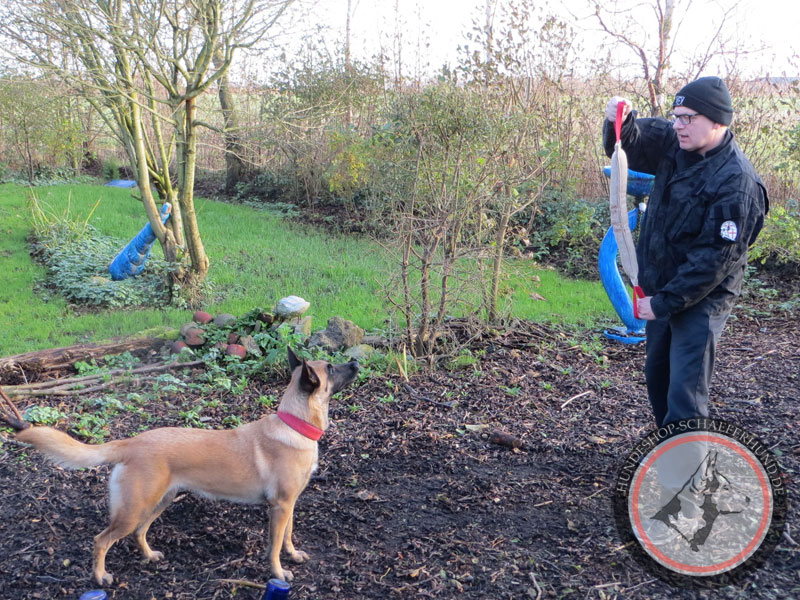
(143,65)
(26,116)
(655,57)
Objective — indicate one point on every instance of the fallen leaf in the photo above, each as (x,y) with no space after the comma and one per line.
(536,296)
(571,526)
(476,427)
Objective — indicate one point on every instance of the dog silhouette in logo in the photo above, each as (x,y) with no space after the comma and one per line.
(707,492)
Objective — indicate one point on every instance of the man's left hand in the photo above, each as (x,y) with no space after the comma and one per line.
(644,309)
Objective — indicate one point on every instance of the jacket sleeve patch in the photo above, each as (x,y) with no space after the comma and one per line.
(728,220)
(729,231)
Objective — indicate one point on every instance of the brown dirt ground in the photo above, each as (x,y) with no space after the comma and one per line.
(410,502)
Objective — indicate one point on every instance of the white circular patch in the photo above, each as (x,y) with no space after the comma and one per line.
(729,231)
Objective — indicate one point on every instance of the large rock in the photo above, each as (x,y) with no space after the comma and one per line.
(360,353)
(340,333)
(202,317)
(223,319)
(291,307)
(302,327)
(376,341)
(194,337)
(250,344)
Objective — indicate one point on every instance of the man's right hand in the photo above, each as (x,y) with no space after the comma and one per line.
(644,309)
(611,108)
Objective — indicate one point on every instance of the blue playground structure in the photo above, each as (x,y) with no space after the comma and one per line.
(639,186)
(130,261)
(122,183)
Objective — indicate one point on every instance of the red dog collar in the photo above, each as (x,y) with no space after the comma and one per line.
(304,428)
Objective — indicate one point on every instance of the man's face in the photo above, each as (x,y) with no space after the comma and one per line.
(700,135)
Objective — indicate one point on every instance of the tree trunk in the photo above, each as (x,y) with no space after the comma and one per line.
(662,67)
(143,173)
(348,117)
(234,165)
(497,264)
(187,163)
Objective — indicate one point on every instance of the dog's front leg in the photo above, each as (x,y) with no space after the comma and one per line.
(296,555)
(278,520)
(280,530)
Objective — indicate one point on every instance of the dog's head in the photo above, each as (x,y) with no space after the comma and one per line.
(318,380)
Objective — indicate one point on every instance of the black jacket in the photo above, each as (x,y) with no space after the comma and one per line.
(702,215)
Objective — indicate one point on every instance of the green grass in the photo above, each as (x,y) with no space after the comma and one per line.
(256,259)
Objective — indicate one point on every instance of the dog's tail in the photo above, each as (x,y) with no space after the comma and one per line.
(68,452)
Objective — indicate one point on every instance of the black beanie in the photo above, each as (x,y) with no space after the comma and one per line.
(709,96)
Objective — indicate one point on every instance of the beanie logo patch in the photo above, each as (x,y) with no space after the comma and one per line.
(679,100)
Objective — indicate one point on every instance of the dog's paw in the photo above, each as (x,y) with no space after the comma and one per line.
(154,556)
(104,579)
(299,556)
(284,574)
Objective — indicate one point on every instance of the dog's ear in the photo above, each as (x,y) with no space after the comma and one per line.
(294,362)
(309,380)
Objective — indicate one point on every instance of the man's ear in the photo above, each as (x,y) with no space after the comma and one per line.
(309,381)
(294,362)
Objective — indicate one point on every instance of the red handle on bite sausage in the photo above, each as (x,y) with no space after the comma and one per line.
(637,293)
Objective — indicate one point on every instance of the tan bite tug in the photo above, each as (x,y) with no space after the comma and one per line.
(270,460)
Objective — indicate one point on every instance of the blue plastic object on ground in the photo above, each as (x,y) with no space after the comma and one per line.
(276,590)
(94,595)
(618,293)
(131,260)
(123,183)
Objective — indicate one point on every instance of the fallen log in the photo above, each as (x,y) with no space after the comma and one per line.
(30,366)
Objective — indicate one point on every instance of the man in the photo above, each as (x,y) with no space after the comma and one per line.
(706,208)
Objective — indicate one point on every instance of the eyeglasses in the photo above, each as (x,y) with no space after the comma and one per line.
(685,119)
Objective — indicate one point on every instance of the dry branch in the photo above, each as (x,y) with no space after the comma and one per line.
(78,385)
(575,397)
(13,418)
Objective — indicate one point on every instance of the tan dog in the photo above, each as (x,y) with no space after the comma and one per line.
(269,460)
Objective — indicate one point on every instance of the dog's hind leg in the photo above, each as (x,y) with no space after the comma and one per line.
(118,529)
(133,500)
(151,555)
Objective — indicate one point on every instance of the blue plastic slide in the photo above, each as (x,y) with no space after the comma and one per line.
(122,183)
(130,262)
(619,294)
(639,186)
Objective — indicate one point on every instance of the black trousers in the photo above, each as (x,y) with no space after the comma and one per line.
(680,361)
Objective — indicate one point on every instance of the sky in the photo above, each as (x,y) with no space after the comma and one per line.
(439,26)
